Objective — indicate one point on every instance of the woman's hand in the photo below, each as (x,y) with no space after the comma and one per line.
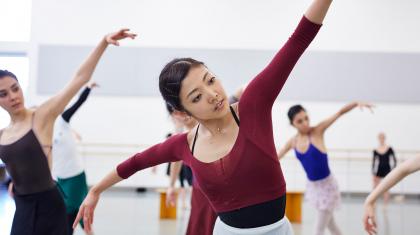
(369,219)
(92,85)
(363,105)
(113,38)
(86,211)
(171,196)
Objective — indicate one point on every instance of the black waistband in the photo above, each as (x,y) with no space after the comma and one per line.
(258,215)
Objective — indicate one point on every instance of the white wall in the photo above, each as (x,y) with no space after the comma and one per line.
(356,25)
(359,25)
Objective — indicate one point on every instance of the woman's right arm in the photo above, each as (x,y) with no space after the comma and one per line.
(168,151)
(86,210)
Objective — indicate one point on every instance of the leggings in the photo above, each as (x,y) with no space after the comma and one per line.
(326,220)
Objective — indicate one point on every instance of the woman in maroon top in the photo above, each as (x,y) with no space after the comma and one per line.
(235,167)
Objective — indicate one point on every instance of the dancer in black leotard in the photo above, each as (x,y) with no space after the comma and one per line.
(382,163)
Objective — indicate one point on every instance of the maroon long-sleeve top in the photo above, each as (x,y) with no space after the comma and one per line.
(250,173)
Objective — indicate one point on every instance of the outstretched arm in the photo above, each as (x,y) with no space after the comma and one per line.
(55,105)
(395,176)
(318,10)
(86,210)
(322,126)
(68,113)
(168,151)
(262,91)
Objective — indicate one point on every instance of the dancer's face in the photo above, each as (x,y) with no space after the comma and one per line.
(11,96)
(301,122)
(202,95)
(381,138)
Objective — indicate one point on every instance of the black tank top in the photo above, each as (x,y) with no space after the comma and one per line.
(27,164)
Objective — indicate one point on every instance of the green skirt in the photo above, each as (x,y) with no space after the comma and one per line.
(74,191)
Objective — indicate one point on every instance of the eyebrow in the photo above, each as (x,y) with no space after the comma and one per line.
(204,78)
(12,86)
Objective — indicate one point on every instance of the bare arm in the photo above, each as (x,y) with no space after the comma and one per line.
(174,172)
(89,204)
(408,167)
(395,176)
(55,105)
(286,148)
(322,126)
(175,169)
(318,10)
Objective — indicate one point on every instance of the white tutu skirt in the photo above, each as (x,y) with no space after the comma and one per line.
(282,227)
(323,194)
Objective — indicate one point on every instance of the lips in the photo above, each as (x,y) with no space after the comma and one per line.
(219,105)
(16,105)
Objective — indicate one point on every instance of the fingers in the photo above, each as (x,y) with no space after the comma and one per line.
(367,106)
(93,85)
(370,225)
(126,34)
(87,215)
(90,219)
(114,42)
(130,35)
(373,221)
(113,38)
(87,218)
(366,223)
(79,216)
(170,201)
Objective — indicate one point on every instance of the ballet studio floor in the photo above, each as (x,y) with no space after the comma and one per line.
(123,211)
